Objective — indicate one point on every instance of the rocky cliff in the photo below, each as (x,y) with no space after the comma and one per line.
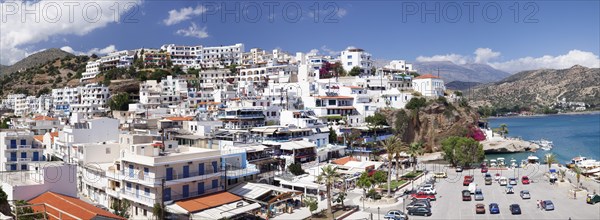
(434,123)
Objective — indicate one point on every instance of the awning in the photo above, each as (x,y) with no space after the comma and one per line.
(226,211)
(294,145)
(256,190)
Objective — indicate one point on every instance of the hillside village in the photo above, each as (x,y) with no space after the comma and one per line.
(229,128)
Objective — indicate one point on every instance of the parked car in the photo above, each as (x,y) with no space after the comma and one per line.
(488,179)
(593,199)
(494,209)
(459,169)
(427,191)
(425,201)
(512,181)
(509,190)
(468,180)
(397,214)
(427,186)
(472,187)
(391,217)
(422,195)
(484,170)
(515,209)
(497,177)
(420,211)
(547,205)
(480,209)
(525,194)
(478,195)
(525,180)
(440,175)
(466,195)
(416,204)
(503,181)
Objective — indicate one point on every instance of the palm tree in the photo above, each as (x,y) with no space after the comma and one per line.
(578,172)
(550,159)
(390,145)
(503,130)
(328,176)
(397,154)
(562,174)
(415,149)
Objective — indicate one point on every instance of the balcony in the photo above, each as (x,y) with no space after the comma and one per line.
(145,179)
(138,196)
(24,160)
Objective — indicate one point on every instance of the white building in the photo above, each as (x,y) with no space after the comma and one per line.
(400,66)
(429,85)
(201,57)
(91,131)
(169,91)
(40,178)
(117,59)
(18,150)
(355,57)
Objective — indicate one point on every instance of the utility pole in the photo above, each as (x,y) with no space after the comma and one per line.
(162,199)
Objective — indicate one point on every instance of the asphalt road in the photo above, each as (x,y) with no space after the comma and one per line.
(449,204)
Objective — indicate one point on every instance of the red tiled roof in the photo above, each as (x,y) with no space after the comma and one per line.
(206,202)
(427,76)
(344,160)
(39,138)
(71,205)
(43,118)
(189,118)
(54,134)
(354,87)
(333,97)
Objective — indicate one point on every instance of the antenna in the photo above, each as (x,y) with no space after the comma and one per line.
(438,72)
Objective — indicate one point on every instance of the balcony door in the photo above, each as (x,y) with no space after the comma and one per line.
(169,173)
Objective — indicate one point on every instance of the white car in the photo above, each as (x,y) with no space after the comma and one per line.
(503,181)
(430,191)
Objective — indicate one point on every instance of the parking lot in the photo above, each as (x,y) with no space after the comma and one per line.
(449,204)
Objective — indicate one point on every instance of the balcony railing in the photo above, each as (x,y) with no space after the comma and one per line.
(24,160)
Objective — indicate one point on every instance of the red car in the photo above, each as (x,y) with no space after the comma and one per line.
(422,195)
(468,180)
(525,180)
(484,170)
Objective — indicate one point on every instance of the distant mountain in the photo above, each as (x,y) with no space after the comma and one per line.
(539,88)
(34,60)
(460,85)
(466,73)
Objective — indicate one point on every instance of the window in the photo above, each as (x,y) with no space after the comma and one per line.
(215,184)
(108,150)
(332,102)
(23,154)
(128,186)
(349,56)
(147,191)
(349,64)
(23,166)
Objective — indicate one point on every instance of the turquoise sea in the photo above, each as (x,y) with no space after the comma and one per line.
(573,135)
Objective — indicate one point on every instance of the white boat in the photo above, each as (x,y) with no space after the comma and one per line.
(501,161)
(513,163)
(544,144)
(533,159)
(592,171)
(493,162)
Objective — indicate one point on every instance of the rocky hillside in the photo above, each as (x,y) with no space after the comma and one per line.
(34,60)
(467,73)
(539,88)
(434,122)
(460,85)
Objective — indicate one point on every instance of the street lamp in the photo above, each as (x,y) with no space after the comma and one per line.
(378,213)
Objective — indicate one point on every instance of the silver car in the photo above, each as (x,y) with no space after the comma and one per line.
(525,194)
(478,195)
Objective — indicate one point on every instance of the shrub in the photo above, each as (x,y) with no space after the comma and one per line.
(296,169)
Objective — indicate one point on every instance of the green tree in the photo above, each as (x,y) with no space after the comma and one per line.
(397,155)
(43,91)
(355,71)
(578,173)
(312,204)
(121,208)
(550,159)
(401,123)
(296,169)
(157,210)
(462,150)
(379,177)
(365,182)
(416,103)
(328,177)
(341,197)
(377,119)
(119,102)
(390,145)
(373,70)
(503,129)
(458,93)
(415,149)
(4,206)
(339,69)
(332,136)
(25,212)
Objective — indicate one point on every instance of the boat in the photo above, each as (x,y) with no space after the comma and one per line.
(513,163)
(493,162)
(544,144)
(575,161)
(533,159)
(501,162)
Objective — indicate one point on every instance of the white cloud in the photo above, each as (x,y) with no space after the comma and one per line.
(329,51)
(487,55)
(52,19)
(455,58)
(325,14)
(183,14)
(341,13)
(193,31)
(573,57)
(483,55)
(97,51)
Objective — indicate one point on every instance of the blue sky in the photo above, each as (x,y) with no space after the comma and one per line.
(563,30)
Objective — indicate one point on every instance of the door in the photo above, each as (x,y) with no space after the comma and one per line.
(13,156)
(23,154)
(23,142)
(186,171)
(131,171)
(167,194)
(200,188)
(186,191)
(137,191)
(13,143)
(214,164)
(201,169)
(169,173)
(36,156)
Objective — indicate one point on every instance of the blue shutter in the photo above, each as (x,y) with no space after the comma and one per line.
(200,188)
(201,169)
